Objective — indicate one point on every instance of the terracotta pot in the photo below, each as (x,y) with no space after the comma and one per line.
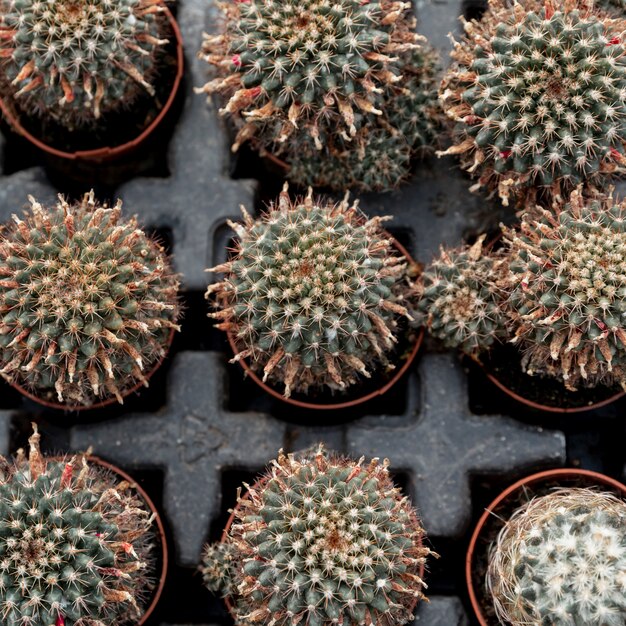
(97,405)
(106,153)
(491,521)
(161,548)
(303,404)
(229,523)
(611,397)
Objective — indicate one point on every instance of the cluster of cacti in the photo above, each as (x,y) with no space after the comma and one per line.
(314,82)
(561,560)
(538,98)
(321,540)
(76,543)
(314,294)
(75,60)
(461,298)
(567,300)
(88,302)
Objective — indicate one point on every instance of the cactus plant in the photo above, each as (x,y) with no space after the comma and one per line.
(327,78)
(88,302)
(568,290)
(218,567)
(460,298)
(321,540)
(538,99)
(314,294)
(76,543)
(561,560)
(75,60)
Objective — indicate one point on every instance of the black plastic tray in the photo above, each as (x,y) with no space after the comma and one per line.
(454,440)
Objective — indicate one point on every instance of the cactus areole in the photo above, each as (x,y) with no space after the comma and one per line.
(323,540)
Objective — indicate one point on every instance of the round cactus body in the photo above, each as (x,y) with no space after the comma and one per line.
(331,90)
(538,99)
(74,60)
(561,560)
(461,296)
(218,567)
(325,540)
(313,295)
(88,302)
(568,291)
(76,545)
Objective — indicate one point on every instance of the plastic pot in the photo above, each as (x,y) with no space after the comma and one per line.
(492,520)
(340,404)
(105,153)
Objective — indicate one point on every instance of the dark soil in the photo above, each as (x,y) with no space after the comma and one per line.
(503,364)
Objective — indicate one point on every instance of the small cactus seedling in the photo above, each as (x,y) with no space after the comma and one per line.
(314,293)
(323,540)
(76,543)
(561,560)
(88,302)
(460,298)
(315,82)
(538,98)
(568,291)
(75,60)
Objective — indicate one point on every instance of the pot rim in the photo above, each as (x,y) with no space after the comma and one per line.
(347,403)
(107,153)
(567,472)
(104,403)
(544,407)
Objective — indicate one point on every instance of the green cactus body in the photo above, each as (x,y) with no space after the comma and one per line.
(376,161)
(310,65)
(379,156)
(75,544)
(461,296)
(538,99)
(568,292)
(219,568)
(88,302)
(561,560)
(74,60)
(313,295)
(323,540)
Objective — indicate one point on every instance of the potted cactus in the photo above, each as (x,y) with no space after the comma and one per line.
(320,539)
(87,79)
(551,297)
(551,550)
(81,543)
(316,299)
(88,304)
(536,95)
(345,95)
